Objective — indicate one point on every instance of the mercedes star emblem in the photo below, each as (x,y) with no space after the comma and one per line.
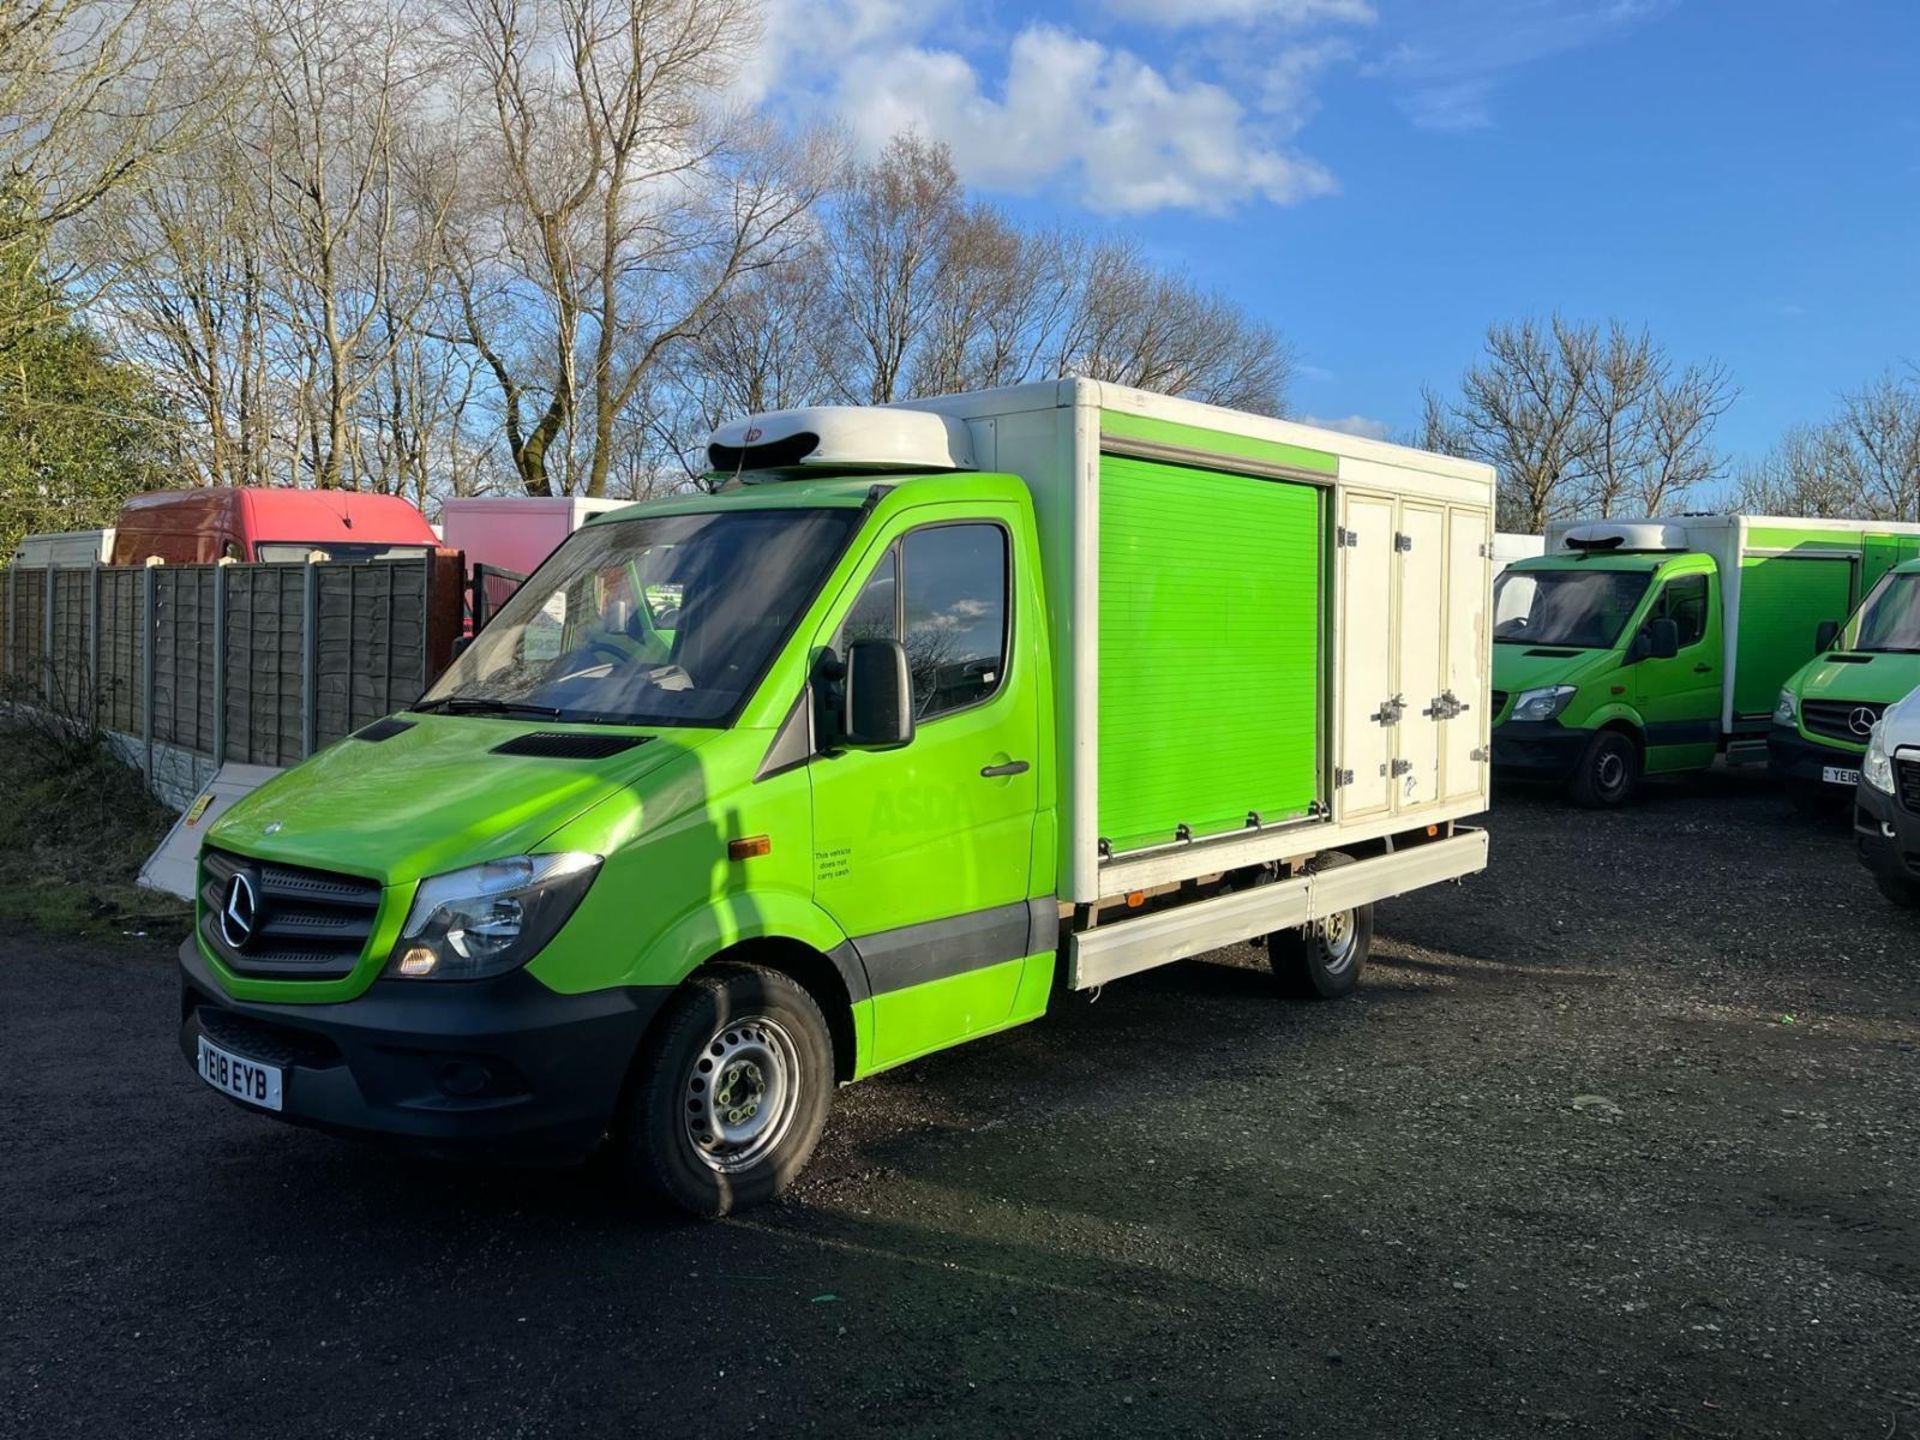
(239,914)
(1861,721)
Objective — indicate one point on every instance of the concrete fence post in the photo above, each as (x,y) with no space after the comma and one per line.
(50,674)
(309,657)
(10,625)
(219,665)
(150,630)
(96,692)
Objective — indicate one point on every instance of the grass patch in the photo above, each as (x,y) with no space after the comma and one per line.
(76,824)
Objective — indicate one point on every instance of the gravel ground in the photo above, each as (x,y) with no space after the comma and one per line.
(1617,1139)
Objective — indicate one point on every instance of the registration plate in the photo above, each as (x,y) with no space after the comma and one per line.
(243,1079)
(1835,775)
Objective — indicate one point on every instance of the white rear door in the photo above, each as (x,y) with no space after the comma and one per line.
(1366,655)
(1469,576)
(1421,552)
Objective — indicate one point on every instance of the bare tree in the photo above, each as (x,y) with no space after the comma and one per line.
(1874,447)
(628,207)
(88,94)
(1576,420)
(892,227)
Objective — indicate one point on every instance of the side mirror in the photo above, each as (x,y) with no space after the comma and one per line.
(1824,637)
(460,644)
(878,708)
(1663,639)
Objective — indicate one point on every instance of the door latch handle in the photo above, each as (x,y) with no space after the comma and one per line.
(1702,669)
(995,772)
(1390,711)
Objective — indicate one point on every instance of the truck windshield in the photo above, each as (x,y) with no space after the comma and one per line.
(293,552)
(1579,608)
(663,620)
(1888,621)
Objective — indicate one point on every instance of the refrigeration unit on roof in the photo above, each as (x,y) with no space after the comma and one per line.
(1603,535)
(839,437)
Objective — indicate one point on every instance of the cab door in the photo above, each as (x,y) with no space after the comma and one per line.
(1679,698)
(923,855)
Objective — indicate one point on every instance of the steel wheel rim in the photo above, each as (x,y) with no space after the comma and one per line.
(1613,771)
(741,1093)
(1339,942)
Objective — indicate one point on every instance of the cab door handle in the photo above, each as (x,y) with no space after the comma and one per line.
(1012,767)
(1701,669)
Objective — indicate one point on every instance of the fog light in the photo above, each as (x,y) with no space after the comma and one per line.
(464,1077)
(417,961)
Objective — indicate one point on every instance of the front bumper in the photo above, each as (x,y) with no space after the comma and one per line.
(1541,749)
(1791,756)
(1885,834)
(501,1068)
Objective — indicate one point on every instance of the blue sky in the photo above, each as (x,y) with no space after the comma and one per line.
(1382,178)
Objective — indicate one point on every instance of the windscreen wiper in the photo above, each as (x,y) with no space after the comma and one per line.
(479,705)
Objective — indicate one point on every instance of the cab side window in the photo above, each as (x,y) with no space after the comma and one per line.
(942,592)
(1684,602)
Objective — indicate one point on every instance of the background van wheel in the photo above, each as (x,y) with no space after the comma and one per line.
(1323,961)
(1608,772)
(732,1092)
(1903,893)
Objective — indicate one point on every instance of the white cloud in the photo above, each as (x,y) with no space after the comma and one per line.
(1366,427)
(1133,138)
(1183,14)
(1208,127)
(1447,73)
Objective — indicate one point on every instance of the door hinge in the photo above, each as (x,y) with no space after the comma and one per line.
(1402,767)
(1402,541)
(1390,711)
(1345,539)
(1342,778)
(1478,755)
(1485,552)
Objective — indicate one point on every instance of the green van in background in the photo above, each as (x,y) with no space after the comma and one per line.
(1654,647)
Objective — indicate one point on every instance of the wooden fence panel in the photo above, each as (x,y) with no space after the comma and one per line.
(122,650)
(266,607)
(27,632)
(183,640)
(371,644)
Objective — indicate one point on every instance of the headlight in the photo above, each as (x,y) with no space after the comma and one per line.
(1544,703)
(491,918)
(1787,712)
(1875,766)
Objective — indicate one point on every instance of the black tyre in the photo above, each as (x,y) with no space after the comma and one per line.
(1903,893)
(1323,961)
(1608,772)
(732,1092)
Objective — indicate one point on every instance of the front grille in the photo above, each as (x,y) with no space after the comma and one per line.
(1834,718)
(270,1044)
(1908,772)
(1499,702)
(307,924)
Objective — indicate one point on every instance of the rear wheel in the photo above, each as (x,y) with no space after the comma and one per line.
(1608,772)
(1903,893)
(732,1093)
(1323,961)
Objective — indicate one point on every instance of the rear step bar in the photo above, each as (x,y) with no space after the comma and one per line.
(1127,947)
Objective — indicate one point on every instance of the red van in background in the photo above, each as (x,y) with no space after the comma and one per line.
(220,522)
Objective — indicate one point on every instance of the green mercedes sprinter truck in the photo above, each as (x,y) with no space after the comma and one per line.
(1829,706)
(1650,647)
(930,716)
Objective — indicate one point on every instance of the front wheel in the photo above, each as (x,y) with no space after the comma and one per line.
(1608,772)
(732,1094)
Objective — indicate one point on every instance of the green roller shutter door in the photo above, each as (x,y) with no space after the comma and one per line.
(1783,599)
(1210,650)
